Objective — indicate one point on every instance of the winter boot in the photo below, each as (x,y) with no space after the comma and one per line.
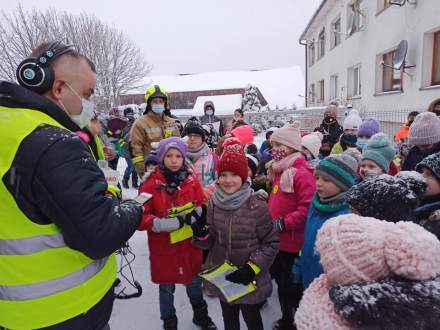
(125,183)
(134,182)
(170,323)
(283,324)
(201,317)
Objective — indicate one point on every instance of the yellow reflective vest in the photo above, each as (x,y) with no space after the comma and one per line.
(42,281)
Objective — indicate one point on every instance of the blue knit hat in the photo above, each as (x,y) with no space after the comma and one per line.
(380,151)
(369,127)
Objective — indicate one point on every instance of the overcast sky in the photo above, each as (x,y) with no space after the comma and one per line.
(190,36)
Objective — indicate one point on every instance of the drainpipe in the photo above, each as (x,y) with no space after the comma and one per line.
(306,96)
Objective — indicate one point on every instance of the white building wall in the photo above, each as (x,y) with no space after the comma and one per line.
(383,31)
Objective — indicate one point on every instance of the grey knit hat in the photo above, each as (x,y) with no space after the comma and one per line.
(340,169)
(424,130)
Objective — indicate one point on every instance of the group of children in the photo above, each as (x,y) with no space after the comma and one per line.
(203,201)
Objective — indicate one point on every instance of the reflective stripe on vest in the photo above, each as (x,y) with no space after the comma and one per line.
(47,288)
(42,281)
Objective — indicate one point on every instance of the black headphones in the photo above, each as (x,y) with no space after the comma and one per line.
(35,73)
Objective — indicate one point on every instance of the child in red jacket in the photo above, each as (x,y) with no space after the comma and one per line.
(293,186)
(173,259)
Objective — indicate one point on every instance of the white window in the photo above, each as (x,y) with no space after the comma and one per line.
(354,81)
(391,79)
(356,16)
(321,43)
(311,53)
(436,60)
(335,33)
(321,94)
(334,85)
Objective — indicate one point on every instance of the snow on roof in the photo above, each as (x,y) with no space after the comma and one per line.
(279,86)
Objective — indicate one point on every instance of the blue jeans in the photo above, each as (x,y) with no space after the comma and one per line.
(166,296)
(130,170)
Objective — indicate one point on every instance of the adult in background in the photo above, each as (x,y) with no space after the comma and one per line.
(330,128)
(59,226)
(401,137)
(153,126)
(210,118)
(115,126)
(423,138)
(125,142)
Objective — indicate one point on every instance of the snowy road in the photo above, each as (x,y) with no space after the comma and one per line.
(143,313)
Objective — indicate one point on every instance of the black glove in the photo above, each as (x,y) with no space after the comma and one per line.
(199,230)
(279,225)
(244,275)
(197,220)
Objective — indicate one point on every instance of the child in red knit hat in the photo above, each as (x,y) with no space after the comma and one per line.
(241,232)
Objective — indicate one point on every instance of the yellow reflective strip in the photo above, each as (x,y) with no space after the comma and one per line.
(181,234)
(137,159)
(255,268)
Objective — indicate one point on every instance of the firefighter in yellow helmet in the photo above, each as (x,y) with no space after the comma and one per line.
(153,126)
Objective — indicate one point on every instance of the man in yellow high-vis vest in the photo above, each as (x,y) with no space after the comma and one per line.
(58,227)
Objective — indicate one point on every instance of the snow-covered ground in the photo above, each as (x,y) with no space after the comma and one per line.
(143,313)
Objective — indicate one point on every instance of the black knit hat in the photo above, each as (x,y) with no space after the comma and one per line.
(432,163)
(385,198)
(194,126)
(127,111)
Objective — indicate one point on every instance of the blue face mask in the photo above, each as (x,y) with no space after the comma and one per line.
(362,143)
(158,108)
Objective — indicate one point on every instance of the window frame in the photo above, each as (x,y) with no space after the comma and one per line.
(350,83)
(321,86)
(312,53)
(393,87)
(435,58)
(336,36)
(334,86)
(312,92)
(321,44)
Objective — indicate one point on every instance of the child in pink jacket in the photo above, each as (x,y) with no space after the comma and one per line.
(292,192)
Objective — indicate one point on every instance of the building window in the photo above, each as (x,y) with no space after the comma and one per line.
(391,79)
(311,53)
(354,81)
(321,43)
(336,33)
(334,85)
(356,17)
(312,93)
(436,60)
(321,91)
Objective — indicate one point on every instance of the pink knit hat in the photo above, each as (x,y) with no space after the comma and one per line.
(289,135)
(424,130)
(356,249)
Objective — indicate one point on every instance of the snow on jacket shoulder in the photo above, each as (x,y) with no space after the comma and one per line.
(293,207)
(56,180)
(170,263)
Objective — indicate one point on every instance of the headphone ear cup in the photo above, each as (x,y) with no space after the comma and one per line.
(34,77)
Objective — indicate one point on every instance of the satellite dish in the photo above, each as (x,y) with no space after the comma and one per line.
(350,24)
(400,55)
(397,2)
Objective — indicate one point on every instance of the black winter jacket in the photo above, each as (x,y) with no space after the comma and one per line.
(415,156)
(54,178)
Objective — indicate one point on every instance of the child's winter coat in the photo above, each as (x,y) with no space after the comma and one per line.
(319,213)
(293,206)
(239,236)
(170,263)
(205,169)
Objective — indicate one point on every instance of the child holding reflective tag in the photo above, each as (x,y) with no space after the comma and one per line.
(239,231)
(177,196)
